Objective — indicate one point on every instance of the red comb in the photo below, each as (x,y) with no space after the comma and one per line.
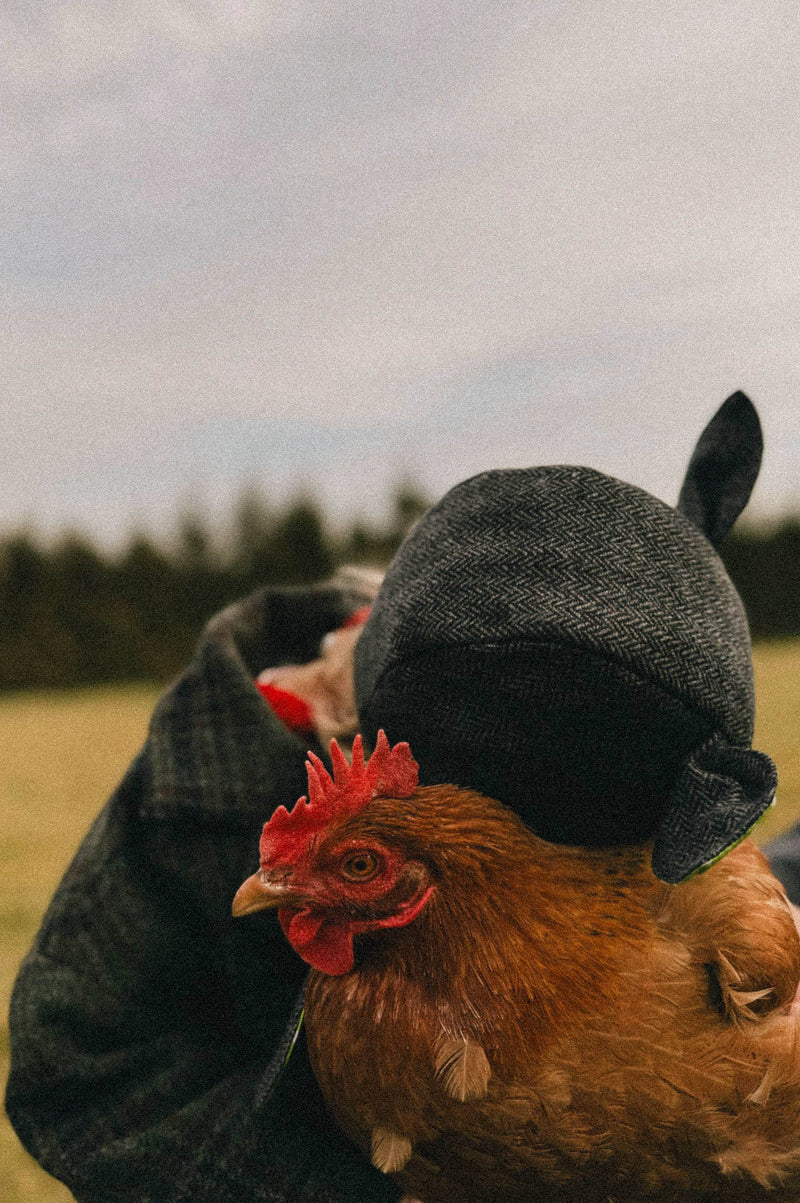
(356,619)
(389,772)
(290,708)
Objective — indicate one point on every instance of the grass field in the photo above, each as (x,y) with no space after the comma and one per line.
(64,752)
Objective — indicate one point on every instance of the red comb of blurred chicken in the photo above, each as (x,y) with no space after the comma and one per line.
(494,1017)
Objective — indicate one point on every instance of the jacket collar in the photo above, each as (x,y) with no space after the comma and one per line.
(215,746)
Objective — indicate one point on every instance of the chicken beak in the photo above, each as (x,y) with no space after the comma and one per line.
(259,894)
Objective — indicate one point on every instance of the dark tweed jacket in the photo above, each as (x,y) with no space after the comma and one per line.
(148,1027)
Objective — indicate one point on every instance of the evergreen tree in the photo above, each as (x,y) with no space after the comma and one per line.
(410,504)
(24,582)
(301,552)
(251,557)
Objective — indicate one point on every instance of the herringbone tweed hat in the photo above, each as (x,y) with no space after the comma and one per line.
(572,646)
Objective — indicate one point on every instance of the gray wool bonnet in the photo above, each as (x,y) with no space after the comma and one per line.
(572,646)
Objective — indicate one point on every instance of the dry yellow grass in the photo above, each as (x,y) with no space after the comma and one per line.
(777,669)
(63,754)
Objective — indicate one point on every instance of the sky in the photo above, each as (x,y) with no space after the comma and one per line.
(328,246)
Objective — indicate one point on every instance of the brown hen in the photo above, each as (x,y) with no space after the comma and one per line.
(518,1020)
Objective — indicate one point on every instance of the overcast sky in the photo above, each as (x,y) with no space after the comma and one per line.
(328,244)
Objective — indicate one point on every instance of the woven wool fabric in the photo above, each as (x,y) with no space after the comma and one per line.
(567,643)
(148,1027)
(570,555)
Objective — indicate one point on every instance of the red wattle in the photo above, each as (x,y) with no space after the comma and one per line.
(304,927)
(322,943)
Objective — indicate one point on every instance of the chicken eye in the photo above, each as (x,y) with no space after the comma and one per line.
(360,866)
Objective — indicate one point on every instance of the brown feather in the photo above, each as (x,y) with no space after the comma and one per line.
(615,1072)
(390,1152)
(462,1068)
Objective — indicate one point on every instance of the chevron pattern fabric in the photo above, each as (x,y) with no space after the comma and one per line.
(564,641)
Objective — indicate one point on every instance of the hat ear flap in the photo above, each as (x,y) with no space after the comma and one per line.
(723,468)
(722,791)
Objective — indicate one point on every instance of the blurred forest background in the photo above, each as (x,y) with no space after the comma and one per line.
(74,614)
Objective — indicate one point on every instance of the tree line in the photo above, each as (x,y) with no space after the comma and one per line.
(71,614)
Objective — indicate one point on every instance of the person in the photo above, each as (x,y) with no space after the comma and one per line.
(553,637)
(148,1028)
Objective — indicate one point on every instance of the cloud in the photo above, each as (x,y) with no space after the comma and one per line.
(246,235)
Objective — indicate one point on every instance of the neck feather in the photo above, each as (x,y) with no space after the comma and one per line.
(512,917)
